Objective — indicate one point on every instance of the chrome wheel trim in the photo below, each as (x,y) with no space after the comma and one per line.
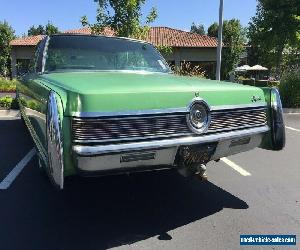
(55,168)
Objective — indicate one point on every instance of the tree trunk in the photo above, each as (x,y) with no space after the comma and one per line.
(279,60)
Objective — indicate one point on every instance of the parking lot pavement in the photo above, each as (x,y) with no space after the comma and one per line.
(157,210)
(15,142)
(292,121)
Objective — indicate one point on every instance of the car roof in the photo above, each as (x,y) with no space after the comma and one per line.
(111,37)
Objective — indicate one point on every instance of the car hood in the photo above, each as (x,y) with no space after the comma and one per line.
(123,91)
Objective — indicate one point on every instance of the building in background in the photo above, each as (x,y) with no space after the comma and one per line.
(22,52)
(186,47)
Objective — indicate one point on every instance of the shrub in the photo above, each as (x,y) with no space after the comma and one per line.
(289,89)
(165,50)
(260,83)
(8,102)
(5,102)
(270,84)
(252,82)
(7,85)
(275,84)
(187,69)
(248,81)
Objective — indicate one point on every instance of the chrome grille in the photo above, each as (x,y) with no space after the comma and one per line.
(237,119)
(128,128)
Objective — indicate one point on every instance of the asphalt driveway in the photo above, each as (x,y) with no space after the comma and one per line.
(153,210)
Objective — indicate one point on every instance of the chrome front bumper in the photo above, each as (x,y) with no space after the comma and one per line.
(106,149)
(107,157)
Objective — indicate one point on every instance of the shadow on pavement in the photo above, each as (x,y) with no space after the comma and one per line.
(15,143)
(99,213)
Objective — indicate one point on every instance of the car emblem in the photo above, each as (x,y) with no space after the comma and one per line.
(198,114)
(197,94)
(255,98)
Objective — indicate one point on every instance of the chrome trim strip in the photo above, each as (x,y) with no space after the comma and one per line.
(94,150)
(226,107)
(85,141)
(32,112)
(55,167)
(133,117)
(44,54)
(129,112)
(162,111)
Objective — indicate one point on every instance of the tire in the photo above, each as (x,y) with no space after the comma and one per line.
(42,168)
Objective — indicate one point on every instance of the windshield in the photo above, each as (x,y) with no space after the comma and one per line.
(102,53)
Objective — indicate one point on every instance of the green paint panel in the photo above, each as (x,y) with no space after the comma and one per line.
(120,91)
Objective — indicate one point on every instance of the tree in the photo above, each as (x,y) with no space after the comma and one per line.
(274,30)
(48,29)
(125,19)
(198,29)
(39,30)
(6,35)
(234,38)
(213,30)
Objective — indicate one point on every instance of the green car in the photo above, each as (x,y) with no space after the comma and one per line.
(97,105)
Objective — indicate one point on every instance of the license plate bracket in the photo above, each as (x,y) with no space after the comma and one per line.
(196,154)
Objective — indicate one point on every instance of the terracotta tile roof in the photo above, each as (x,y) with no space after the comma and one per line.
(27,41)
(157,36)
(178,38)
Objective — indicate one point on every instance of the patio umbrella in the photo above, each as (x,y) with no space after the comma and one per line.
(258,68)
(243,68)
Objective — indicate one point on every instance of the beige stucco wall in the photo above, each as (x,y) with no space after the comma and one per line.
(193,55)
(20,52)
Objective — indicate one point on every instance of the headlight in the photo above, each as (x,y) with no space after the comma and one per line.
(199,117)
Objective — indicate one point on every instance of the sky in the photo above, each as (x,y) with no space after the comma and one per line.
(66,14)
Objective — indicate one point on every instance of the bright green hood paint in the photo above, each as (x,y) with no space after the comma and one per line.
(118,91)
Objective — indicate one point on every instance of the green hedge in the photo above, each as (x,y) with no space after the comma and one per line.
(8,102)
(274,84)
(289,89)
(7,85)
(260,83)
(267,84)
(248,82)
